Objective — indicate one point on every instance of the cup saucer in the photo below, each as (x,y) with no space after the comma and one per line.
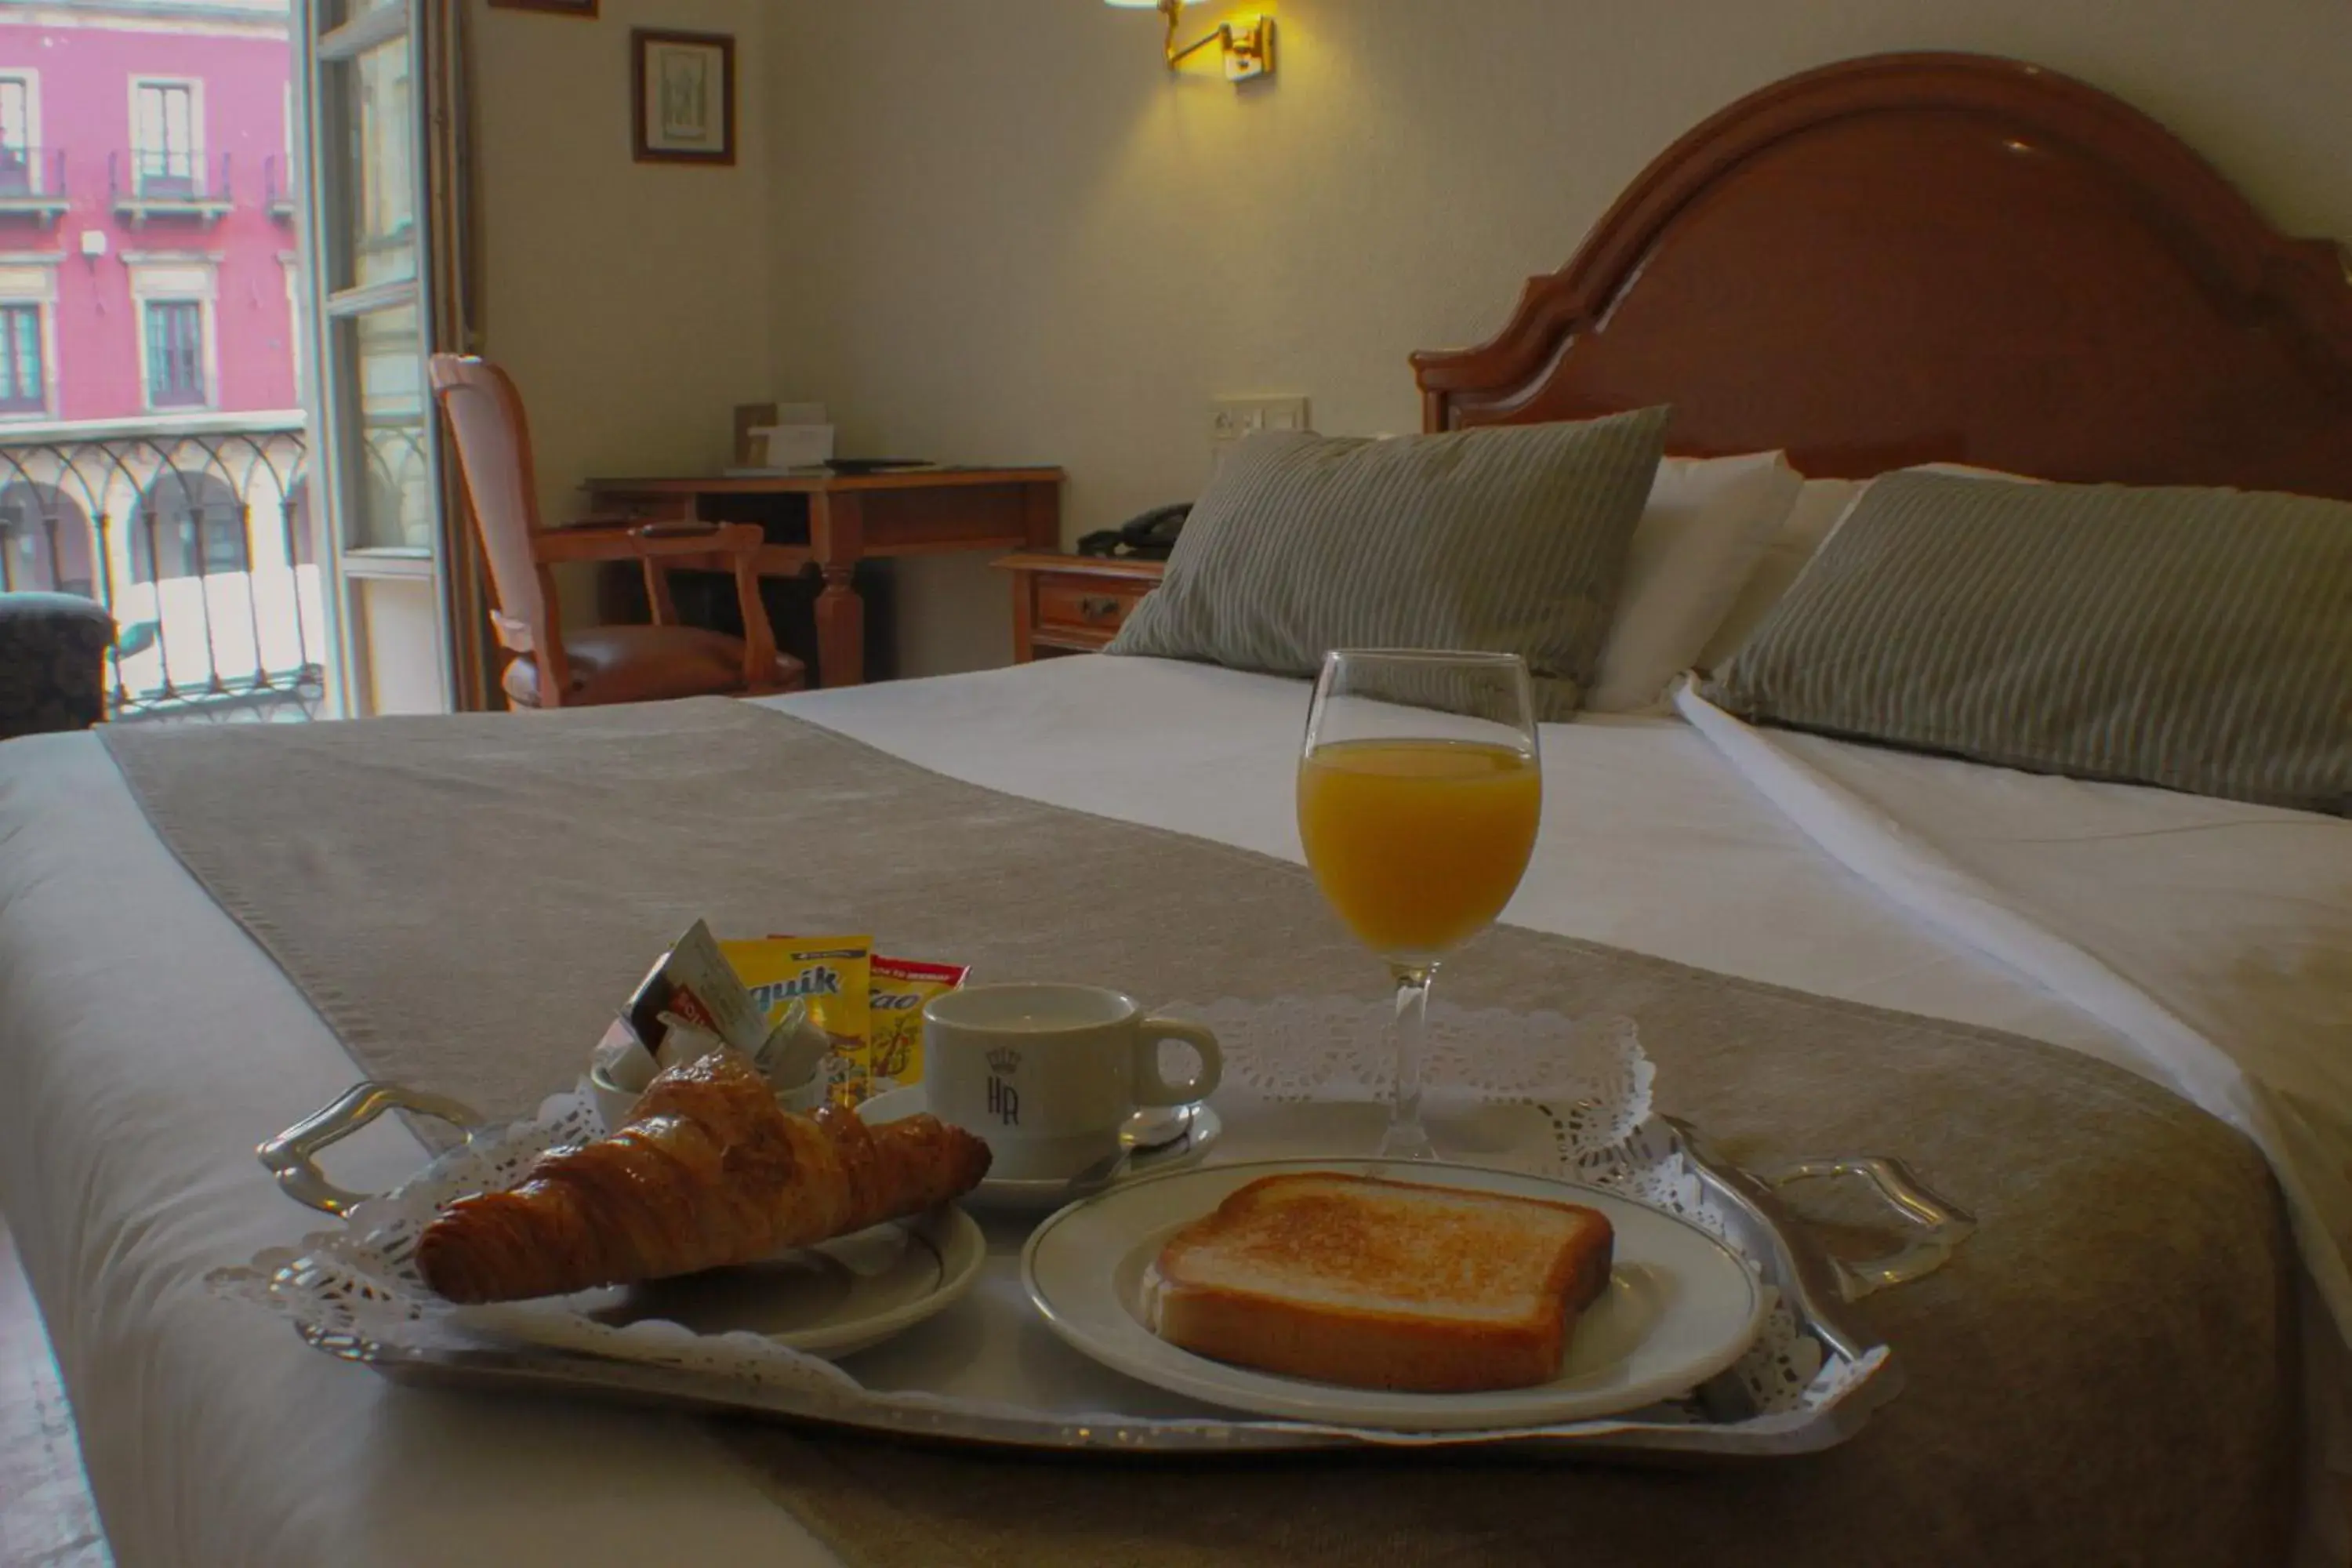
(1157,1140)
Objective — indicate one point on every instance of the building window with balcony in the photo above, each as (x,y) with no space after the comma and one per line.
(20,158)
(175,354)
(166,139)
(32,182)
(278,169)
(24,380)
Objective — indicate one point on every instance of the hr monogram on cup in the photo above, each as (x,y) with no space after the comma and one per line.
(1004,1100)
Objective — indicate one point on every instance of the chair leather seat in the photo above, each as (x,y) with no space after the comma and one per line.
(52,663)
(647,664)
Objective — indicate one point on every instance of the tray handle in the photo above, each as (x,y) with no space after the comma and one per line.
(1943,1225)
(292,1156)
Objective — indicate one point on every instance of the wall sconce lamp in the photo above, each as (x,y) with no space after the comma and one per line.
(1247,53)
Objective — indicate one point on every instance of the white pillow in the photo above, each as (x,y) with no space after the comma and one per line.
(1707,521)
(1821,506)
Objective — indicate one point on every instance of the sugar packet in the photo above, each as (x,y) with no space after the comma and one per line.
(694,987)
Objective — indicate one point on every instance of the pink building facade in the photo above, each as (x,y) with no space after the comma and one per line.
(152,447)
(148,236)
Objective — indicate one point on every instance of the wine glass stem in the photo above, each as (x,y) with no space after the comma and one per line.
(1406,1138)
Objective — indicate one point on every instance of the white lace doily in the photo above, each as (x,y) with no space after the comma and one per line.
(1336,1048)
(1591,1078)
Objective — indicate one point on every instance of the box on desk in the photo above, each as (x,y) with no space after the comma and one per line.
(780,436)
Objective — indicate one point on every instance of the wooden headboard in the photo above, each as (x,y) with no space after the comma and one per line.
(1917,257)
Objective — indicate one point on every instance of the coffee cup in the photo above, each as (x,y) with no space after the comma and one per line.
(1049,1074)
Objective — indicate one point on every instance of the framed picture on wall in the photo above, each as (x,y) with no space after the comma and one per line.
(561,7)
(683,96)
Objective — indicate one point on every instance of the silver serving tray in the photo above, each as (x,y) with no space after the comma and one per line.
(1719,1422)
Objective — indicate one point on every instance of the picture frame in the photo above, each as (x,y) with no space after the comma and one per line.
(586,8)
(682,97)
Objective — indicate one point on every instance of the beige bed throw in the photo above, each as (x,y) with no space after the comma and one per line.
(2105,1373)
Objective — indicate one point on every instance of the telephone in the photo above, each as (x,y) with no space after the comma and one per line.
(1148,537)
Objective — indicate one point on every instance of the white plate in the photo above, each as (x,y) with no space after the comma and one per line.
(831,1299)
(1203,1128)
(1680,1307)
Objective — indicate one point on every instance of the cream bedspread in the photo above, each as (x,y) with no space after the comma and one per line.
(150,1044)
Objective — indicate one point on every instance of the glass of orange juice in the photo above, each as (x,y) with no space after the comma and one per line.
(1419,792)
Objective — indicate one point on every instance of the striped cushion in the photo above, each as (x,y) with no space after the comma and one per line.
(2197,639)
(1509,540)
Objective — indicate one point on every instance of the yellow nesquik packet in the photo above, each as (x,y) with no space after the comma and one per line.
(834,975)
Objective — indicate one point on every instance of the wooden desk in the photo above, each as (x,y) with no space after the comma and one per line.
(832,522)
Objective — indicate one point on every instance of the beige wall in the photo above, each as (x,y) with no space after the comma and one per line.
(999,232)
(631,301)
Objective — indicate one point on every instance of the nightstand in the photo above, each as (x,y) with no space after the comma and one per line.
(1073,604)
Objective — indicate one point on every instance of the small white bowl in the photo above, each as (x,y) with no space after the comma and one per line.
(616,1104)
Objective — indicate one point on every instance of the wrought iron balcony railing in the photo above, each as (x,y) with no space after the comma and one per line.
(202,542)
(164,181)
(32,182)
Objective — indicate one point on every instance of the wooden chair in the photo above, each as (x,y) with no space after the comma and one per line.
(551,668)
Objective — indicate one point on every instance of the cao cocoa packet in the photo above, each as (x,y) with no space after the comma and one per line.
(902,987)
(833,975)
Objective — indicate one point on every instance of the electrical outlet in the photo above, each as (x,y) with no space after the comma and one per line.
(1233,420)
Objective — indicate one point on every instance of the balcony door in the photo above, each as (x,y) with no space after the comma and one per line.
(385,297)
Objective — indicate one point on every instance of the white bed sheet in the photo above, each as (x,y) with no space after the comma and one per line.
(2213,937)
(149,1045)
(1650,842)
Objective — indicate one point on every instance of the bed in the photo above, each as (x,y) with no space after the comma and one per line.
(1831,265)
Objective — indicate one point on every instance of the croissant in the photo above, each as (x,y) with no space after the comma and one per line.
(711,1172)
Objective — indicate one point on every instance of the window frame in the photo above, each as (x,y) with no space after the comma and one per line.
(290,262)
(195,312)
(13,315)
(29,78)
(198,180)
(31,281)
(177,274)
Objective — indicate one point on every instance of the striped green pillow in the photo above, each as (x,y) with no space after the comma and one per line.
(2200,639)
(1509,540)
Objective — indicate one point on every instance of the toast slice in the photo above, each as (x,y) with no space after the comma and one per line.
(1380,1284)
